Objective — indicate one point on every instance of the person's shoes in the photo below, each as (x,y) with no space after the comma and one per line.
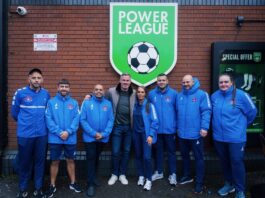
(198,188)
(140,181)
(185,180)
(226,189)
(240,194)
(112,179)
(172,179)
(148,185)
(51,191)
(157,176)
(39,194)
(123,180)
(22,194)
(75,187)
(90,191)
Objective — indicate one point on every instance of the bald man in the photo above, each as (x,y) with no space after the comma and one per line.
(97,121)
(193,118)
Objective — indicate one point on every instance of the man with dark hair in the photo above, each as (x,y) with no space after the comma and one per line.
(123,99)
(28,109)
(164,99)
(62,119)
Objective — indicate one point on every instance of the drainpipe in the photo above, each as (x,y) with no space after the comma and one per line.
(3,80)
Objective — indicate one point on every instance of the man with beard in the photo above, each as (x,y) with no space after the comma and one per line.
(62,118)
(28,109)
(164,99)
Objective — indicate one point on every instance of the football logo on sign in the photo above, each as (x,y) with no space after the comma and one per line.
(143,57)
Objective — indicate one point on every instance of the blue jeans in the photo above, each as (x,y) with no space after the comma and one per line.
(31,154)
(143,153)
(231,156)
(197,148)
(121,146)
(93,150)
(169,142)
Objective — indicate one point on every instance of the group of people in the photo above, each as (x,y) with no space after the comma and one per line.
(151,121)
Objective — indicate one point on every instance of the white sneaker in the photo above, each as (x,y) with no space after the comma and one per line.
(172,179)
(140,181)
(123,180)
(157,176)
(148,185)
(112,180)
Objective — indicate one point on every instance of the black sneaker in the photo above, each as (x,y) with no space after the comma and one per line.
(22,194)
(39,194)
(51,191)
(75,187)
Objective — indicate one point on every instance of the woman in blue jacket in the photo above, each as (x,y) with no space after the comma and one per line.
(145,128)
(233,111)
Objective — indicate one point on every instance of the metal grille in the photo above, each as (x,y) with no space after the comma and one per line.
(106,2)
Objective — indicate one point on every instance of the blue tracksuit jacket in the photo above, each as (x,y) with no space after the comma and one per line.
(165,106)
(150,121)
(96,116)
(194,111)
(230,120)
(28,109)
(62,114)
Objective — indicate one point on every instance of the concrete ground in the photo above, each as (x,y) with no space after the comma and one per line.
(160,188)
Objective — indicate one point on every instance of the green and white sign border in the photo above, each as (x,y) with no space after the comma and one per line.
(176,36)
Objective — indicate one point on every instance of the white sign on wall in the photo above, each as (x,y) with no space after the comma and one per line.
(45,42)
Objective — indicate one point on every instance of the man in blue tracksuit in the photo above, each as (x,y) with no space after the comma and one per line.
(62,118)
(194,115)
(233,111)
(164,100)
(97,121)
(28,110)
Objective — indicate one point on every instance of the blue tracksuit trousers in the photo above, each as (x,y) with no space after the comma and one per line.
(31,154)
(186,145)
(143,153)
(232,160)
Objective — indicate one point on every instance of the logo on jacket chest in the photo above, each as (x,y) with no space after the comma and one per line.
(28,99)
(70,106)
(56,106)
(105,108)
(167,99)
(194,99)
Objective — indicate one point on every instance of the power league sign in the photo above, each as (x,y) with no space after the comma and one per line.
(143,39)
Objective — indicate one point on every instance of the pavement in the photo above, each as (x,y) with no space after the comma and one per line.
(160,188)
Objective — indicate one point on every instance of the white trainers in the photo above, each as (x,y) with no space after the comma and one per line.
(140,181)
(157,176)
(123,180)
(112,180)
(172,179)
(148,185)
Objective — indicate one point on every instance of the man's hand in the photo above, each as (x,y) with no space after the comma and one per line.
(98,136)
(203,133)
(149,140)
(64,135)
(87,97)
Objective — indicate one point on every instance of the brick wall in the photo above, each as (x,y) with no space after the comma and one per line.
(83,45)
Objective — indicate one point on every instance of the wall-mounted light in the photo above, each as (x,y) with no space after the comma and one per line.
(241,19)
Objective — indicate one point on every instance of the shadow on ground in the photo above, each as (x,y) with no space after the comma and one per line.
(160,188)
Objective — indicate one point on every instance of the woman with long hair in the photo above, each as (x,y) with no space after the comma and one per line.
(233,111)
(145,126)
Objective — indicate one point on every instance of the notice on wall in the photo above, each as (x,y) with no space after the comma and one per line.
(45,42)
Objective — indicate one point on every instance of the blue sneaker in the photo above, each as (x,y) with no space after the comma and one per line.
(240,194)
(226,189)
(185,180)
